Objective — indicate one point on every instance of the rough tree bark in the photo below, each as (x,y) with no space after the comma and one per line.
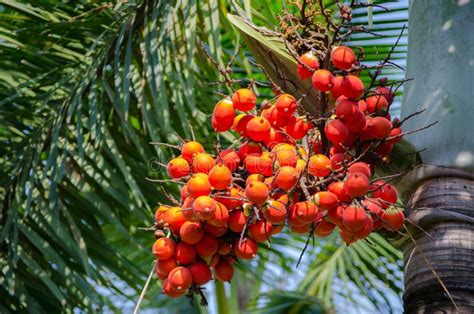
(441,61)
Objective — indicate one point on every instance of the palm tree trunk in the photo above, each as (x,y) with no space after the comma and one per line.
(439,263)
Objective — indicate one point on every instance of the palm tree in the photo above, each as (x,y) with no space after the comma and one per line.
(85,87)
(439,265)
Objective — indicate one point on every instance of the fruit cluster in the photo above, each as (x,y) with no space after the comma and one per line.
(314,174)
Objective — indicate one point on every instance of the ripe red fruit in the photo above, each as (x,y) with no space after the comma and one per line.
(336,90)
(343,58)
(215,231)
(223,270)
(336,131)
(185,253)
(261,230)
(245,249)
(257,193)
(311,61)
(220,177)
(230,159)
(361,167)
(207,246)
(202,162)
(200,272)
(286,104)
(189,149)
(169,291)
(240,123)
(358,124)
(346,109)
(357,184)
(323,80)
(275,212)
(305,212)
(285,155)
(275,137)
(244,99)
(224,248)
(258,129)
(340,191)
(259,165)
(323,228)
(319,165)
(347,236)
(164,266)
(286,178)
(335,215)
(204,207)
(180,279)
(297,128)
(326,200)
(393,218)
(199,185)
(223,116)
(163,248)
(366,230)
(395,133)
(249,148)
(384,191)
(337,161)
(376,127)
(174,218)
(178,167)
(221,216)
(230,198)
(385,91)
(352,87)
(300,229)
(237,221)
(354,218)
(377,103)
(191,232)
(275,117)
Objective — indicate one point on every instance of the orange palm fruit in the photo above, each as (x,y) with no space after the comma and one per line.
(178,167)
(352,87)
(204,207)
(185,253)
(220,177)
(200,272)
(203,162)
(261,231)
(257,193)
(244,99)
(323,80)
(180,279)
(163,248)
(319,165)
(343,57)
(286,104)
(309,60)
(357,184)
(191,232)
(245,249)
(286,178)
(258,129)
(199,185)
(223,270)
(189,149)
(223,116)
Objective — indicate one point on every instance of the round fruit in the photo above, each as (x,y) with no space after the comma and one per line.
(275,212)
(202,162)
(223,116)
(376,127)
(361,167)
(189,149)
(323,228)
(208,246)
(231,198)
(221,216)
(185,253)
(174,218)
(366,229)
(358,124)
(377,103)
(286,178)
(385,191)
(230,159)
(335,215)
(215,231)
(169,291)
(347,236)
(258,129)
(180,279)
(285,155)
(286,104)
(200,272)
(357,184)
(346,109)
(224,248)
(307,60)
(323,80)
(191,232)
(224,270)
(319,165)
(305,211)
(261,231)
(336,90)
(178,167)
(244,99)
(352,87)
(354,218)
(245,249)
(326,200)
(259,165)
(249,148)
(297,128)
(163,248)
(199,185)
(393,219)
(164,266)
(343,58)
(220,177)
(257,193)
(204,207)
(340,191)
(237,221)
(275,117)
(240,123)
(336,131)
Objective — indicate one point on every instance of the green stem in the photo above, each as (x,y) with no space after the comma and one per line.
(221,298)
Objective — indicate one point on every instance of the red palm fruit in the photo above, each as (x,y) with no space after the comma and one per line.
(322,227)
(244,99)
(385,91)
(211,261)
(393,218)
(354,218)
(169,291)
(187,210)
(199,185)
(286,178)
(284,198)
(180,279)
(161,275)
(189,149)
(385,191)
(335,215)
(224,271)
(224,248)
(286,104)
(230,159)
(357,184)
(248,149)
(257,193)
(240,123)
(202,162)
(373,205)
(340,191)
(185,253)
(277,229)
(258,129)
(237,221)
(319,165)
(352,87)
(336,131)
(326,200)
(164,266)
(163,248)
(346,109)
(191,232)
(300,229)
(361,167)
(254,177)
(230,198)
(305,212)
(297,128)
(275,117)
(358,124)
(208,246)
(323,80)
(376,127)
(200,272)
(245,249)
(384,149)
(174,218)
(337,161)
(336,90)
(395,135)
(261,230)
(275,212)
(366,230)
(178,167)
(347,236)
(285,155)
(220,177)
(307,60)
(223,116)
(343,58)
(221,216)
(362,105)
(204,207)
(300,165)
(258,164)
(183,192)
(215,231)
(377,103)
(160,212)
(275,137)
